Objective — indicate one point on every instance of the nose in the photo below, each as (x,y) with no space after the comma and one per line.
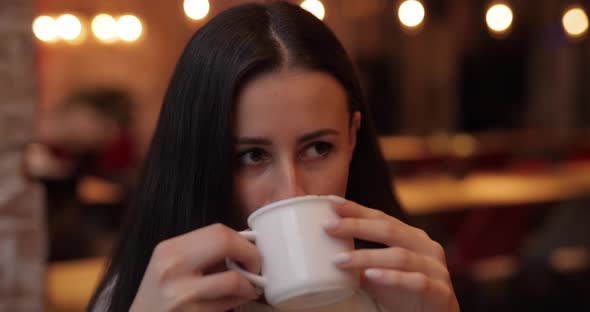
(289,182)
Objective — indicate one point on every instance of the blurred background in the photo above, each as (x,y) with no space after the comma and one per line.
(482,107)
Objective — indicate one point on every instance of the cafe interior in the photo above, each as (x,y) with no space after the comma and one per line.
(482,109)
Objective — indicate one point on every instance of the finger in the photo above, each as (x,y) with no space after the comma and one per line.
(214,287)
(222,305)
(396,258)
(347,208)
(435,292)
(199,250)
(388,233)
(213,305)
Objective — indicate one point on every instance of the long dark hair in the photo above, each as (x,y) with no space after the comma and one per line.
(187,175)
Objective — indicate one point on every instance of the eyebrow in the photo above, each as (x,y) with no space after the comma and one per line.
(304,138)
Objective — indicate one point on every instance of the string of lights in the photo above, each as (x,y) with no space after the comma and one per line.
(412,14)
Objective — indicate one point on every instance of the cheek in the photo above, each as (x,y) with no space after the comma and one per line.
(331,180)
(335,174)
(250,193)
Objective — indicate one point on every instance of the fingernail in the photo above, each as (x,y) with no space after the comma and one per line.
(330,224)
(342,258)
(373,274)
(336,199)
(259,291)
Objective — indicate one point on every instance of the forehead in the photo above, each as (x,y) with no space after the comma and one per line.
(304,99)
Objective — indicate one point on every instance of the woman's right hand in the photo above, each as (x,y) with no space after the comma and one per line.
(179,275)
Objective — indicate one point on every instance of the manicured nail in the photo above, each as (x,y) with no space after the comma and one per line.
(259,291)
(342,258)
(336,199)
(331,224)
(373,274)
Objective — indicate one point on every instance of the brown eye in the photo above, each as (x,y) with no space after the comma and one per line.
(253,157)
(318,150)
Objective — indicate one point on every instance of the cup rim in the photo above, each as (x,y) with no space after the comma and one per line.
(284,202)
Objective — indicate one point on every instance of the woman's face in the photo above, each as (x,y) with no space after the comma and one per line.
(292,137)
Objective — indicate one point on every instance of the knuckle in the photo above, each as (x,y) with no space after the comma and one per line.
(160,269)
(218,228)
(160,261)
(162,249)
(350,224)
(167,293)
(170,300)
(170,306)
(376,213)
(223,235)
(448,296)
(423,283)
(438,252)
(389,229)
(234,282)
(357,225)
(422,234)
(446,276)
(401,256)
(361,257)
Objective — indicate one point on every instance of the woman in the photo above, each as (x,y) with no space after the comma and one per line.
(263,105)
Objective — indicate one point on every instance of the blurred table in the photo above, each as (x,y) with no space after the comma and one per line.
(399,148)
(430,186)
(70,284)
(437,193)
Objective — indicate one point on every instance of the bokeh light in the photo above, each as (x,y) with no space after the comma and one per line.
(104,27)
(68,27)
(45,28)
(499,18)
(575,22)
(411,13)
(196,9)
(315,7)
(129,28)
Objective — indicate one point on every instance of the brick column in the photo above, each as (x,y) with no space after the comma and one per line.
(22,227)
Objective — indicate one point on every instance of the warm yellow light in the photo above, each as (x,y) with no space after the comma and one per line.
(314,7)
(463,145)
(104,27)
(196,9)
(411,13)
(44,28)
(68,27)
(129,28)
(575,22)
(439,143)
(499,18)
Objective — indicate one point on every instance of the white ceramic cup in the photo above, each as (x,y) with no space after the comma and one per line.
(298,271)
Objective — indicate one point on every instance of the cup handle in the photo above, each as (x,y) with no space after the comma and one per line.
(255,279)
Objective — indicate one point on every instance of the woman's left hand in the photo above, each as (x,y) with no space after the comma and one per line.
(410,275)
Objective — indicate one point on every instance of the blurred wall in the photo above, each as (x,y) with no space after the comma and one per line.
(144,68)
(22,233)
(451,75)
